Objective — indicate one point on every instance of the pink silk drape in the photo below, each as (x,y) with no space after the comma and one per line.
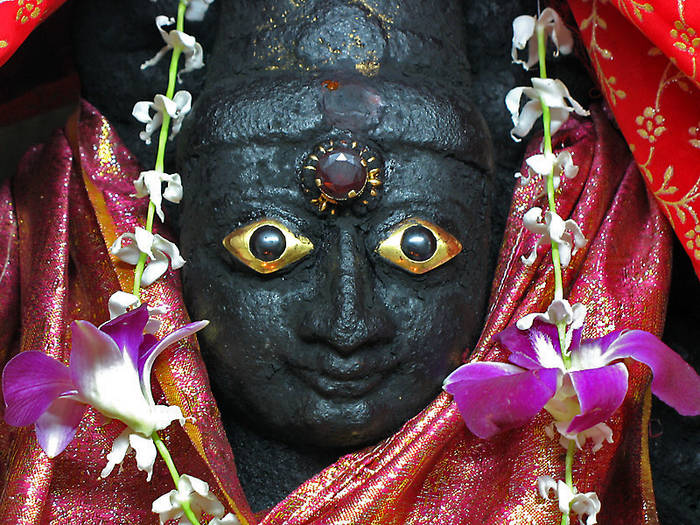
(72,198)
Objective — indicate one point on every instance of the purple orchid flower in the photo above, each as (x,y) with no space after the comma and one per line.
(110,370)
(493,397)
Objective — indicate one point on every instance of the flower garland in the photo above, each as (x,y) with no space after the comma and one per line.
(110,365)
(580,382)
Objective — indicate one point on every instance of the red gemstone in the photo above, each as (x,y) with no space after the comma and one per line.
(341,172)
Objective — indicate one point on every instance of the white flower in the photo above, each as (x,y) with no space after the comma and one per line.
(229,519)
(549,91)
(196,9)
(546,164)
(559,310)
(566,234)
(176,108)
(121,302)
(524,34)
(149,183)
(586,504)
(598,434)
(174,39)
(158,249)
(193,491)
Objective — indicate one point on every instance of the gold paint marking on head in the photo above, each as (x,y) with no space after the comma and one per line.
(318,182)
(310,168)
(373,172)
(375,182)
(371,159)
(352,194)
(373,192)
(313,157)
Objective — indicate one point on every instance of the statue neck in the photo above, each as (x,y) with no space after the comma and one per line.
(269,469)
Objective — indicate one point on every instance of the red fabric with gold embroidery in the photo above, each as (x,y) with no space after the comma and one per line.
(645,55)
(18,18)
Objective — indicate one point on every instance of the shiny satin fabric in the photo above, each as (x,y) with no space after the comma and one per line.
(73,197)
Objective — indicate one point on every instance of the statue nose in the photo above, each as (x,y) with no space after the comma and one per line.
(346,313)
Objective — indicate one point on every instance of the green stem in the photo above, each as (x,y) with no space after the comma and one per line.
(547,147)
(569,476)
(165,454)
(162,141)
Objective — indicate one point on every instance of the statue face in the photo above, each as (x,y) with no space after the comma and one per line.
(341,346)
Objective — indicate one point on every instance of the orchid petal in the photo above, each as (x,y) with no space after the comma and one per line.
(148,184)
(493,397)
(600,392)
(155,269)
(587,505)
(119,449)
(551,91)
(156,58)
(565,495)
(31,382)
(57,426)
(535,348)
(141,111)
(164,415)
(560,34)
(546,484)
(144,241)
(147,359)
(173,191)
(523,31)
(566,163)
(531,111)
(129,254)
(674,382)
(106,378)
(542,164)
(183,101)
(531,221)
(196,9)
(166,508)
(145,453)
(163,104)
(120,303)
(557,117)
(204,501)
(170,249)
(127,331)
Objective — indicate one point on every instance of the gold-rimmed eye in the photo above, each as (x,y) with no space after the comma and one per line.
(267,245)
(418,246)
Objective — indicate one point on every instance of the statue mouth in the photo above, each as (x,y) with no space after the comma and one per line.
(338,379)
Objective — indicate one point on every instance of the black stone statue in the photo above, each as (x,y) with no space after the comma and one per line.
(347,141)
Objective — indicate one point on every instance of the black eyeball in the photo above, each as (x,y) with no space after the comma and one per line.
(267,243)
(418,243)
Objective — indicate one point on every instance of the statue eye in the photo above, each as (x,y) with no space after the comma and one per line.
(418,246)
(267,245)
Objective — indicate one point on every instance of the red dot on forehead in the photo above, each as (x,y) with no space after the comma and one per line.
(341,172)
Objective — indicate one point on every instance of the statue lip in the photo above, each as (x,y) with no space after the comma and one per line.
(328,386)
(337,377)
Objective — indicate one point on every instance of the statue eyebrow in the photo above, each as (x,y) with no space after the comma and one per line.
(293,112)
